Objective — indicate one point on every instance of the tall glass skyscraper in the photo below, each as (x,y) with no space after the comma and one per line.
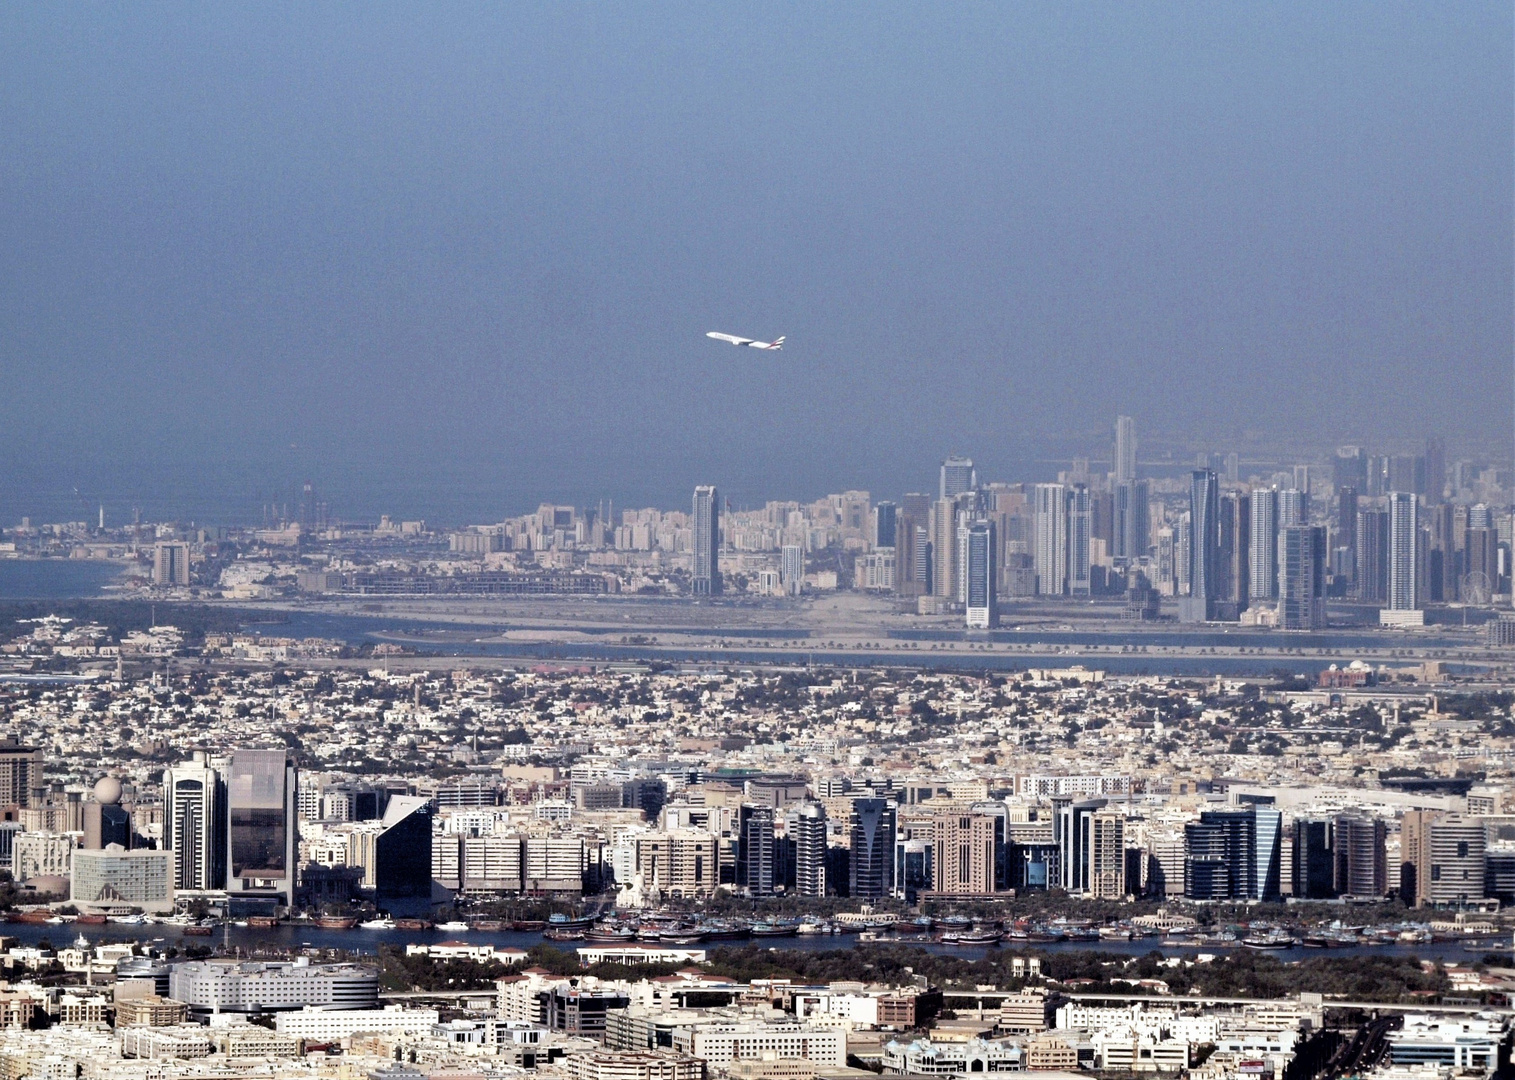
(1235,551)
(1346,523)
(945,567)
(1125,449)
(1131,523)
(261,797)
(1302,577)
(1263,549)
(706,571)
(1267,852)
(757,850)
(1071,833)
(792,569)
(979,575)
(1435,469)
(1372,560)
(1351,468)
(807,829)
(1080,532)
(913,869)
(1362,867)
(1314,860)
(1404,543)
(401,856)
(885,514)
(912,555)
(1293,508)
(957,477)
(1051,517)
(912,545)
(871,868)
(1233,855)
(1120,526)
(194,824)
(1204,548)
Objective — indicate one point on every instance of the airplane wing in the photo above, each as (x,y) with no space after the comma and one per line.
(732,338)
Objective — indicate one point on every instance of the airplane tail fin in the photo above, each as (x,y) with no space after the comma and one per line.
(778,343)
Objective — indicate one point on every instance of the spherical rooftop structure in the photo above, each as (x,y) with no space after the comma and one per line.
(107,791)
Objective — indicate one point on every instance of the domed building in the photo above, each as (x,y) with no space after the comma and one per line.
(106,821)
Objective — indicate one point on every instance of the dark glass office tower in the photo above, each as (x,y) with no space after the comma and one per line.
(871,870)
(706,571)
(1204,549)
(1314,862)
(261,794)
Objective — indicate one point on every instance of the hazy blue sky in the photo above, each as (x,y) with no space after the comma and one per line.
(450,258)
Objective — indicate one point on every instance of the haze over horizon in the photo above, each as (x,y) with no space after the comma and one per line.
(441,260)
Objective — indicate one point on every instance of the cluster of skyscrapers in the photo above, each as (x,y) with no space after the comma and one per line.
(231,823)
(1268,550)
(1083,839)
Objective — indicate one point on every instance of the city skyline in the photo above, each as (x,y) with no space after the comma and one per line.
(275,498)
(1391,538)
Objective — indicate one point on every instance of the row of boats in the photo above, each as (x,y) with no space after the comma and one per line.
(1266,937)
(46,916)
(192,925)
(950,930)
(962,930)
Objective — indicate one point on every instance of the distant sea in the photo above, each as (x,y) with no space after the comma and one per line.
(55,579)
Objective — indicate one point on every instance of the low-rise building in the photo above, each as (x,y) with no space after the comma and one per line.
(721,1043)
(333,1025)
(113,878)
(633,1065)
(864,1008)
(179,1041)
(581,1010)
(18,1005)
(931,1057)
(242,1041)
(1464,1043)
(75,1010)
(463,950)
(633,953)
(58,1053)
(1048,1051)
(41,855)
(521,997)
(642,1027)
(773,1069)
(1023,1012)
(149,1010)
(1130,1050)
(226,986)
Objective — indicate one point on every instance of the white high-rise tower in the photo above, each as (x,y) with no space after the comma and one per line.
(1125,449)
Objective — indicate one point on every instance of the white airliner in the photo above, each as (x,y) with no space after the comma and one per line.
(751,344)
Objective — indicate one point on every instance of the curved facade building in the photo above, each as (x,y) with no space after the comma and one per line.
(211,986)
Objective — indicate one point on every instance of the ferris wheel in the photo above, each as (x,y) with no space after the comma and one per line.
(1475,588)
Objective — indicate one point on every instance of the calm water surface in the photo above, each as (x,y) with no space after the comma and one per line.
(56,579)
